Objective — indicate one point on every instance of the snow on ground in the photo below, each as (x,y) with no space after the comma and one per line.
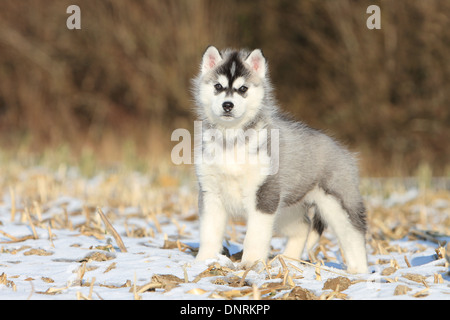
(54,245)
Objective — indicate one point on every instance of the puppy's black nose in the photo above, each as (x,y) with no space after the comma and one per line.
(227,106)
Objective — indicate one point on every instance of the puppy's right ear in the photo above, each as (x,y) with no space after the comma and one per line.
(211,58)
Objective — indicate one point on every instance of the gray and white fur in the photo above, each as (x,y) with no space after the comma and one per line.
(315,184)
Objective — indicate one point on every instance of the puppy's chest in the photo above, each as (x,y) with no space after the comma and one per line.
(234,175)
(236,188)
(227,176)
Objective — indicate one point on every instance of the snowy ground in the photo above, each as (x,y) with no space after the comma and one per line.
(54,245)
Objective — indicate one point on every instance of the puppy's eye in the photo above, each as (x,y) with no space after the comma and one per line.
(218,87)
(243,89)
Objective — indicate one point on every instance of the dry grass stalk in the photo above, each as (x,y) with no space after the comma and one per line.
(156,222)
(325,254)
(91,287)
(241,283)
(13,204)
(81,271)
(213,270)
(110,267)
(317,272)
(50,235)
(20,239)
(197,291)
(283,264)
(32,290)
(295,267)
(425,235)
(86,214)
(149,286)
(81,296)
(111,230)
(438,278)
(9,236)
(42,189)
(440,252)
(447,253)
(186,278)
(136,296)
(290,281)
(332,295)
(407,262)
(4,280)
(266,267)
(38,252)
(27,213)
(394,264)
(422,293)
(317,265)
(52,290)
(256,292)
(66,219)
(38,210)
(180,229)
(389,280)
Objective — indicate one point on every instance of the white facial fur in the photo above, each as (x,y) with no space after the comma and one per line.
(245,105)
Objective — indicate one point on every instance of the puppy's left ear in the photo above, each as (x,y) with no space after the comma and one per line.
(257,62)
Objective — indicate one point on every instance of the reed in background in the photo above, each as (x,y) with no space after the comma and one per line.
(120,85)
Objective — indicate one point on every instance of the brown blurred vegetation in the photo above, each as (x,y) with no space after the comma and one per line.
(124,78)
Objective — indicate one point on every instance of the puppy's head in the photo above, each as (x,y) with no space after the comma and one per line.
(231,85)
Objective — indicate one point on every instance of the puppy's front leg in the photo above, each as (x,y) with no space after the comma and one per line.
(258,236)
(213,219)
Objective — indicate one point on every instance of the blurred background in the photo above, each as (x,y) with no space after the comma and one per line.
(116,89)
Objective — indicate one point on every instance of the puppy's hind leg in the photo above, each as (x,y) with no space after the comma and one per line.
(351,239)
(295,225)
(317,227)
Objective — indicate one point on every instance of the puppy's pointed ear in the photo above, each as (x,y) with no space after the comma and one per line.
(211,58)
(257,62)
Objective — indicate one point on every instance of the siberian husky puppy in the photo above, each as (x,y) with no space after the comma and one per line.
(288,177)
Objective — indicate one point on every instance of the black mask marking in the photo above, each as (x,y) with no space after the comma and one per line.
(233,68)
